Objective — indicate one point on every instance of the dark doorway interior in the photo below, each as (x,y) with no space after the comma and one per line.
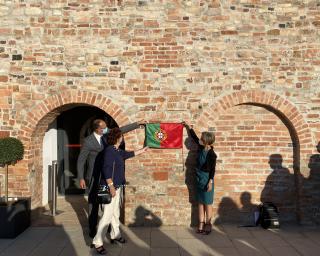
(73,126)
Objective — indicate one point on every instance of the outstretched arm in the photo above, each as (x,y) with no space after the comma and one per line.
(131,127)
(191,133)
(140,151)
(129,154)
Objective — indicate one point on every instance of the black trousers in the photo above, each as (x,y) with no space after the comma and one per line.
(93,217)
(93,213)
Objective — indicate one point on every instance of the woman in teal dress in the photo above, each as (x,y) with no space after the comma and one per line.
(205,171)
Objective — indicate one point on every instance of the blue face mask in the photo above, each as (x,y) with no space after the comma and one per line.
(105,130)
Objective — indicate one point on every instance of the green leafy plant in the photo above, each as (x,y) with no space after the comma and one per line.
(11,151)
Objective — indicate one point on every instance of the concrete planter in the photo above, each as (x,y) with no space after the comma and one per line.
(14,217)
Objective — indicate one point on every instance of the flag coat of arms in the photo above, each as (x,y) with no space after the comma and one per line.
(164,135)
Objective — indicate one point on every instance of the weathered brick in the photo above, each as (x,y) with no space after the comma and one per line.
(4,79)
(170,65)
(4,134)
(273,32)
(160,176)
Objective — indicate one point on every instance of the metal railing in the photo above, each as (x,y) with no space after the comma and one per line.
(53,171)
(54,187)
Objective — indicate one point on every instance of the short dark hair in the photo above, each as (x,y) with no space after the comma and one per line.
(96,124)
(113,135)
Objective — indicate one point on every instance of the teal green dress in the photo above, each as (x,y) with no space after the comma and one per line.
(203,196)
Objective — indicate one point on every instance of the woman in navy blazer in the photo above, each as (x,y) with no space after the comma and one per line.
(113,175)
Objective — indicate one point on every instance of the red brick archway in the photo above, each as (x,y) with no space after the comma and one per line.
(279,104)
(269,99)
(38,118)
(288,113)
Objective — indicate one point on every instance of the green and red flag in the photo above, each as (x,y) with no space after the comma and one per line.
(164,135)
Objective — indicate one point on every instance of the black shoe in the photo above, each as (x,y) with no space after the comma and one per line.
(207,228)
(200,228)
(120,240)
(100,250)
(92,233)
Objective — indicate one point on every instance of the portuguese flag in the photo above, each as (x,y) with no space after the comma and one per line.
(164,135)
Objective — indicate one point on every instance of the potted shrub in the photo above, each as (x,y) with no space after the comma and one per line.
(14,213)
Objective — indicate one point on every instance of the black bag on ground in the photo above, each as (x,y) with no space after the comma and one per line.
(269,215)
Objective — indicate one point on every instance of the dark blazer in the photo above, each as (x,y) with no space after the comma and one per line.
(113,165)
(210,164)
(89,151)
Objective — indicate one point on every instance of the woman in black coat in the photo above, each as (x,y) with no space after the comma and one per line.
(205,170)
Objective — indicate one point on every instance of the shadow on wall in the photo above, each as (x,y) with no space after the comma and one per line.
(312,186)
(145,218)
(228,211)
(247,209)
(190,177)
(280,189)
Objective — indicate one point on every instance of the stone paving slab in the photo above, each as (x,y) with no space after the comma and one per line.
(168,241)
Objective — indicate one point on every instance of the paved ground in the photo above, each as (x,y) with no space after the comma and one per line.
(169,241)
(67,237)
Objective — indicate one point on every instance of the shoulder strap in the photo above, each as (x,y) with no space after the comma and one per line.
(114,163)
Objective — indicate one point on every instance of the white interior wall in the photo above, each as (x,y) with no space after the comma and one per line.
(50,153)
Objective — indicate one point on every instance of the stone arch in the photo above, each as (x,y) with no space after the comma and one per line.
(288,113)
(37,119)
(272,101)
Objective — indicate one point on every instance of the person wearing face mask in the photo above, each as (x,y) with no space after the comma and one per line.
(92,145)
(205,170)
(112,173)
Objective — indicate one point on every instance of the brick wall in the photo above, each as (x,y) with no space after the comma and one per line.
(172,61)
(251,142)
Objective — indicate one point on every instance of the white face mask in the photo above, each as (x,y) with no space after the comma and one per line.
(105,130)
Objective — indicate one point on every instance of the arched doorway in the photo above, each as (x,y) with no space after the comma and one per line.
(37,120)
(62,142)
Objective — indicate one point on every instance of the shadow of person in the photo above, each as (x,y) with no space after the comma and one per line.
(280,189)
(228,212)
(247,210)
(78,202)
(190,177)
(80,206)
(139,233)
(147,236)
(312,186)
(145,218)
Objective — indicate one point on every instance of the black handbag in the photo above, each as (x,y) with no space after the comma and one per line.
(103,194)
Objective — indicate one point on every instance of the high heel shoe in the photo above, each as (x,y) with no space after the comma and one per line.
(100,250)
(200,230)
(120,240)
(207,228)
